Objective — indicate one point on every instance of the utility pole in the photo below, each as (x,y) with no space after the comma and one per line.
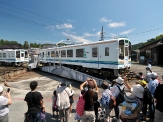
(102,35)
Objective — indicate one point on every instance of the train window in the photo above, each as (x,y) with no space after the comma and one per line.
(4,55)
(106,51)
(12,54)
(52,54)
(0,55)
(22,54)
(48,54)
(63,53)
(9,55)
(26,54)
(94,52)
(121,49)
(42,54)
(79,52)
(126,51)
(69,53)
(17,54)
(57,54)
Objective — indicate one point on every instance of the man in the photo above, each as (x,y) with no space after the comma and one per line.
(149,74)
(4,102)
(153,83)
(159,103)
(35,104)
(63,94)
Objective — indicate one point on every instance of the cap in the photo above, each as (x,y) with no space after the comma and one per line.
(142,82)
(129,97)
(1,89)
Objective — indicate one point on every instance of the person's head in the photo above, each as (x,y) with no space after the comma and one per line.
(137,90)
(105,85)
(55,93)
(143,83)
(153,76)
(119,81)
(137,77)
(129,97)
(1,90)
(91,84)
(140,73)
(149,61)
(33,85)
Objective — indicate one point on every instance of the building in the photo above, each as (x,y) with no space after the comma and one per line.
(152,51)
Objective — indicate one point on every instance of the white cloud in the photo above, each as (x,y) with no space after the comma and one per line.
(116,24)
(127,32)
(103,19)
(50,27)
(76,38)
(65,25)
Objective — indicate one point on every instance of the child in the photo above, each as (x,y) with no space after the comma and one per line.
(54,106)
(96,107)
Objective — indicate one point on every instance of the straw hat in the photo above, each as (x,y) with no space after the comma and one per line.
(137,91)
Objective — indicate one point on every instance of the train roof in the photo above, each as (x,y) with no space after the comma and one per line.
(90,43)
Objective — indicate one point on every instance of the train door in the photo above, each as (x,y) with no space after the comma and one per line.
(22,55)
(95,57)
(126,53)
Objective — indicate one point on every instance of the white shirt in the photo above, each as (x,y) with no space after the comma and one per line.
(3,106)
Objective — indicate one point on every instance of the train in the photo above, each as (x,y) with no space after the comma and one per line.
(14,57)
(107,58)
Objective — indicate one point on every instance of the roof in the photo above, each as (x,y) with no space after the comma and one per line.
(13,46)
(149,44)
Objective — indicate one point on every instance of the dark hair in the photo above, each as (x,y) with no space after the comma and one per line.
(55,92)
(33,85)
(137,77)
(140,73)
(89,95)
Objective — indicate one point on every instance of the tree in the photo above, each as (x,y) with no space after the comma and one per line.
(26,45)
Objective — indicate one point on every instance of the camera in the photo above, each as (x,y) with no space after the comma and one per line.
(8,90)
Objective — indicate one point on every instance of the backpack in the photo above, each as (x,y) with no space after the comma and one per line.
(106,100)
(148,98)
(120,97)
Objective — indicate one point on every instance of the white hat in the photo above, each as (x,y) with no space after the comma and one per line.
(1,89)
(119,80)
(153,75)
(137,91)
(129,97)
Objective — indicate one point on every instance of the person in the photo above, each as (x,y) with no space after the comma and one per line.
(63,94)
(131,108)
(71,99)
(54,106)
(118,86)
(149,63)
(141,76)
(159,104)
(96,107)
(153,83)
(137,90)
(107,101)
(5,100)
(89,96)
(148,74)
(35,103)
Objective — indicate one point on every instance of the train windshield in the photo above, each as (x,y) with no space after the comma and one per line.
(26,54)
(17,54)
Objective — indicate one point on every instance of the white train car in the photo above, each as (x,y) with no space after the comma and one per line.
(106,57)
(16,57)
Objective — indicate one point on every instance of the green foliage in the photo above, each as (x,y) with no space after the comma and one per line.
(6,42)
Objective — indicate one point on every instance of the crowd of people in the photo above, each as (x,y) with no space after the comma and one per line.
(130,102)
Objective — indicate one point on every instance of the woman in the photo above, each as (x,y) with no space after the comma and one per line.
(90,95)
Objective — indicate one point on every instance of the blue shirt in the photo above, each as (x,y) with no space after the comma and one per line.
(152,85)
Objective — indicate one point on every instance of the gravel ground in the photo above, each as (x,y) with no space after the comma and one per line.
(47,84)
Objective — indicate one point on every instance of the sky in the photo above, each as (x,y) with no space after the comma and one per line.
(52,21)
